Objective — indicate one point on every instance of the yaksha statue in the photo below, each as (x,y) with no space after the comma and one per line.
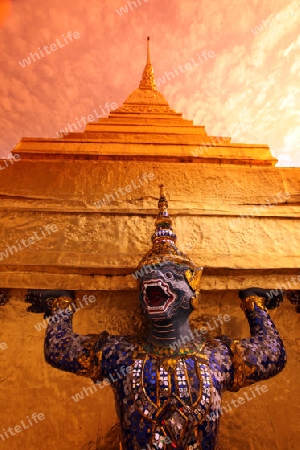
(168,396)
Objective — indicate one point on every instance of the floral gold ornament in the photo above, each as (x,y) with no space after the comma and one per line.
(63,303)
(249,302)
(194,279)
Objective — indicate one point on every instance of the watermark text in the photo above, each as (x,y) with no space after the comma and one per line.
(48,49)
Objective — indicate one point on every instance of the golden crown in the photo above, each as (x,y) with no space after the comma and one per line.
(164,246)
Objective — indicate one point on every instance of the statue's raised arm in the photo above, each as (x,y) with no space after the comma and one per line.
(68,351)
(262,355)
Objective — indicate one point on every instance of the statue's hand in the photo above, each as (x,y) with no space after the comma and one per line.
(42,300)
(272,301)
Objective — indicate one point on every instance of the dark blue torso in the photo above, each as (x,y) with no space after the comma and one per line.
(166,399)
(169,399)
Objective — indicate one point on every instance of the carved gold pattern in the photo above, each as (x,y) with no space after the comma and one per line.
(154,351)
(242,368)
(91,363)
(248,303)
(157,109)
(194,279)
(164,240)
(148,80)
(170,408)
(63,303)
(139,96)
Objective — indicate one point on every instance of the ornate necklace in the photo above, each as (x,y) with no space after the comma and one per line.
(168,352)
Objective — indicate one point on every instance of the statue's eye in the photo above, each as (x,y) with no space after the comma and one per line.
(169,275)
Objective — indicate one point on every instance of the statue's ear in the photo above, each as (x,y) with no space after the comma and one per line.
(194,278)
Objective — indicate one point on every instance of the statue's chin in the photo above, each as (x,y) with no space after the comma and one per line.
(158,318)
(165,312)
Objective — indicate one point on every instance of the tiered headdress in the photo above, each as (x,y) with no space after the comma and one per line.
(164,246)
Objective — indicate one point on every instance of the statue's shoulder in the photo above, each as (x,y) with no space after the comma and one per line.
(219,345)
(126,343)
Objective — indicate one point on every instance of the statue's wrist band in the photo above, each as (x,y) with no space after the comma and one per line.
(248,303)
(63,303)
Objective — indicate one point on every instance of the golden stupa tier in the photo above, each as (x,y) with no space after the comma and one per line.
(145,128)
(146,131)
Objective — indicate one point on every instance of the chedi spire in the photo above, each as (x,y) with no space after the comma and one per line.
(148,81)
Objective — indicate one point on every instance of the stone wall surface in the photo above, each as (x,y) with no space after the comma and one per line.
(266,422)
(79,183)
(225,216)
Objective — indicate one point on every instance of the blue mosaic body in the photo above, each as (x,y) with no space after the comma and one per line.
(165,399)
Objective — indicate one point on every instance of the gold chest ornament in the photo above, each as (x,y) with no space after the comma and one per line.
(165,395)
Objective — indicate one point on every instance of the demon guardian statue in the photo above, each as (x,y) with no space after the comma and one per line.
(167,396)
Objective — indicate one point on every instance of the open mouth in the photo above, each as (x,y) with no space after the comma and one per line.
(157,296)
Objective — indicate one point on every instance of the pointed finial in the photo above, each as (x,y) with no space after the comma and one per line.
(148,50)
(148,80)
(164,239)
(163,215)
(162,190)
(163,218)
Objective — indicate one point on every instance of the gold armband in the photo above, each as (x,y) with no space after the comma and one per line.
(248,303)
(91,363)
(63,303)
(242,368)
